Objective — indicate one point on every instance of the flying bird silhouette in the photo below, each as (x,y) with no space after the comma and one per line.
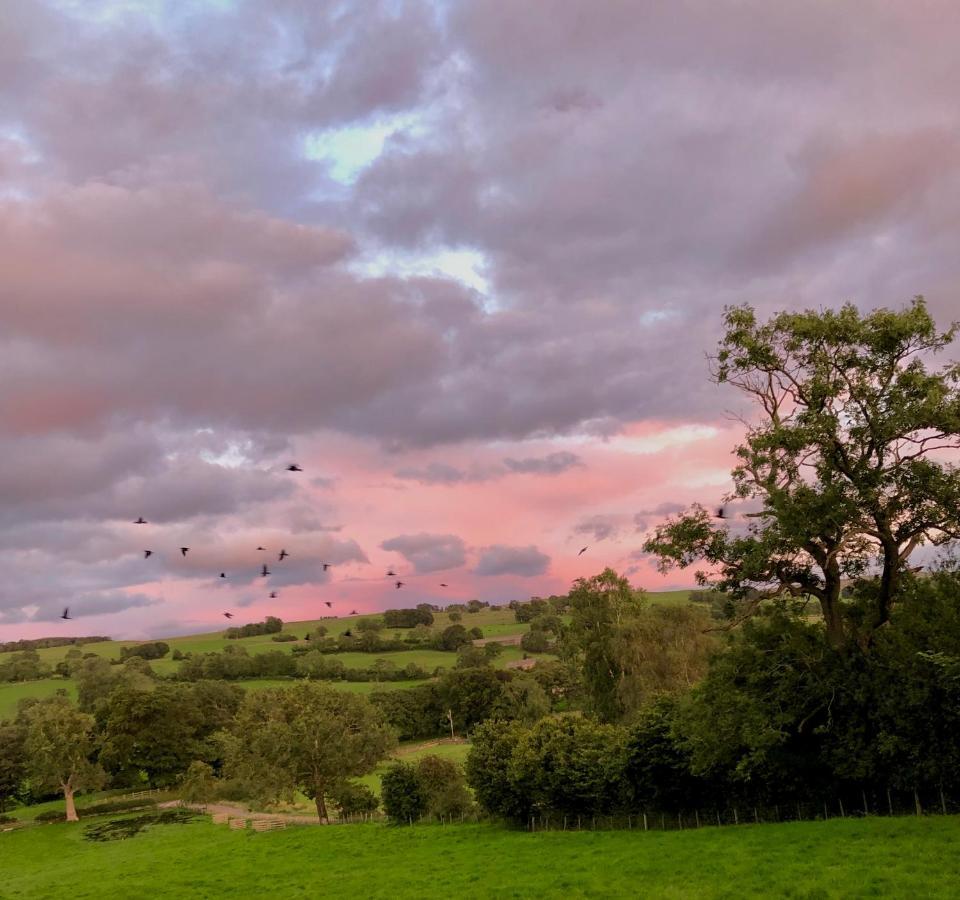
(391,574)
(293,467)
(326,566)
(261,548)
(228,615)
(66,613)
(721,513)
(264,571)
(584,550)
(273,595)
(283,555)
(444,585)
(147,554)
(399,585)
(223,574)
(329,604)
(353,612)
(184,550)
(140,521)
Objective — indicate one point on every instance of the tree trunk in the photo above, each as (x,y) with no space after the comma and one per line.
(71,807)
(830,604)
(321,807)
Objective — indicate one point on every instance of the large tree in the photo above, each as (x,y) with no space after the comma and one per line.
(846,466)
(307,737)
(60,743)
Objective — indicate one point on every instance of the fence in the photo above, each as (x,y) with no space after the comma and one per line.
(865,802)
(139,795)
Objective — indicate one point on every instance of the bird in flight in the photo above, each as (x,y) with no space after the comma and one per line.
(228,615)
(399,585)
(184,550)
(264,571)
(329,604)
(293,467)
(391,574)
(147,554)
(262,548)
(273,595)
(223,574)
(353,612)
(326,566)
(283,555)
(721,513)
(584,550)
(66,613)
(444,585)
(140,521)
(348,633)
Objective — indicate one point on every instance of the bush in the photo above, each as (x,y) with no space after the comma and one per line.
(475,634)
(284,638)
(454,637)
(353,799)
(535,642)
(407,618)
(402,796)
(7,820)
(444,787)
(198,784)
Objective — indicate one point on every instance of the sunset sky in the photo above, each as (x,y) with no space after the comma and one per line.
(461,261)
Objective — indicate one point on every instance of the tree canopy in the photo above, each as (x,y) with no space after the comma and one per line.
(842,473)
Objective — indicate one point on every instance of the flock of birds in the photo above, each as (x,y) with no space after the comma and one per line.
(719,513)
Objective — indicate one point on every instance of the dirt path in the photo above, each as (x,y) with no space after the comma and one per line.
(238,812)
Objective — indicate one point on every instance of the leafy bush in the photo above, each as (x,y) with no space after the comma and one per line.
(284,637)
(535,642)
(354,799)
(402,795)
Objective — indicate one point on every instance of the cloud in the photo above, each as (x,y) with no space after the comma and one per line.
(429,552)
(599,527)
(502,560)
(552,464)
(96,604)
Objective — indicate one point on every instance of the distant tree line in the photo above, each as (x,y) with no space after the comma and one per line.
(42,643)
(270,625)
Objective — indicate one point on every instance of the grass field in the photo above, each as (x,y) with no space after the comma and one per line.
(897,858)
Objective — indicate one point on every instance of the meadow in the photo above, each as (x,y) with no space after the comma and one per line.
(900,857)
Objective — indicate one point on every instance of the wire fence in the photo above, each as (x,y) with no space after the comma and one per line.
(855,804)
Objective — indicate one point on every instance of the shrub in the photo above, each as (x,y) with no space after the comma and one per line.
(353,799)
(284,638)
(402,795)
(535,642)
(198,784)
(454,637)
(475,633)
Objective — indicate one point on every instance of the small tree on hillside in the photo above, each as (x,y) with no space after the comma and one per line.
(12,761)
(308,738)
(60,742)
(843,461)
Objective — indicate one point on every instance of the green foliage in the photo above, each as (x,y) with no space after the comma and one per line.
(25,666)
(60,742)
(601,608)
(284,638)
(198,784)
(432,786)
(12,761)
(407,618)
(353,799)
(453,637)
(147,650)
(270,625)
(307,737)
(845,461)
(535,641)
(401,793)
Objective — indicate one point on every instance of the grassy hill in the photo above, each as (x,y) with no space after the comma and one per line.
(497,621)
(905,857)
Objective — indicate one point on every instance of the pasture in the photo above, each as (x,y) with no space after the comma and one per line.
(905,857)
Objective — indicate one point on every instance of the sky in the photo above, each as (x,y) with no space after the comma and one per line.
(463,262)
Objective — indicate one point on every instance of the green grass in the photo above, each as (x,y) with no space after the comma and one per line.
(899,858)
(12,694)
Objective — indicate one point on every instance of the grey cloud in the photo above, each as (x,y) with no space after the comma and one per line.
(600,527)
(551,464)
(95,604)
(429,552)
(503,560)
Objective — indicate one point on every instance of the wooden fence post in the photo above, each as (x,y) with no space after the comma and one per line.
(889,802)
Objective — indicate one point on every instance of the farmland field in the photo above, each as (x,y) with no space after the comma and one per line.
(906,857)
